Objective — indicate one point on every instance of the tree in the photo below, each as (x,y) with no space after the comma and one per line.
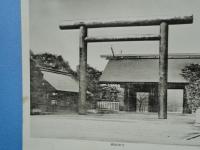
(39,87)
(109,92)
(191,73)
(36,79)
(95,89)
(141,101)
(52,61)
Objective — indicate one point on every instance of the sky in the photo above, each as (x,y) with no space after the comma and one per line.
(46,15)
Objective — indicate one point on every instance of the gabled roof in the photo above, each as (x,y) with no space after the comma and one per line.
(60,81)
(145,68)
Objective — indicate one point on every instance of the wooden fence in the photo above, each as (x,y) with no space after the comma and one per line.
(107,105)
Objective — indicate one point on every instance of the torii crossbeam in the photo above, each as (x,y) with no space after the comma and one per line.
(163,51)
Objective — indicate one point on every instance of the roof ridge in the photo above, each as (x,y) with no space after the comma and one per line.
(55,71)
(153,56)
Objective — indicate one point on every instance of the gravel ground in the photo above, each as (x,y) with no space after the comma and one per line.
(178,129)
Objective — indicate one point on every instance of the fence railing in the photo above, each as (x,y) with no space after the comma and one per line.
(107,105)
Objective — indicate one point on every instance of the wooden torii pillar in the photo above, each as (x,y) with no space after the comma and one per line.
(163,51)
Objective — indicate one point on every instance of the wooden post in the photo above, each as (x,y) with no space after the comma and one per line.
(163,70)
(126,23)
(132,102)
(121,39)
(185,108)
(156,101)
(151,99)
(126,97)
(82,71)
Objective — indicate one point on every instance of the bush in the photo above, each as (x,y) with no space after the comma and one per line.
(191,73)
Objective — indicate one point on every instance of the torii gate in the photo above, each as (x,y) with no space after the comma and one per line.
(163,51)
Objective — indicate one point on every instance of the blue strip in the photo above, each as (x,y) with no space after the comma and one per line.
(10,76)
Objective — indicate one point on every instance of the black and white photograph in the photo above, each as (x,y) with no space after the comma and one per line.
(113,71)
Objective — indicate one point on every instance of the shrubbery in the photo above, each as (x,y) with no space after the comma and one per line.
(191,73)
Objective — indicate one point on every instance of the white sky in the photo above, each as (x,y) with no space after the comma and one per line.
(45,36)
